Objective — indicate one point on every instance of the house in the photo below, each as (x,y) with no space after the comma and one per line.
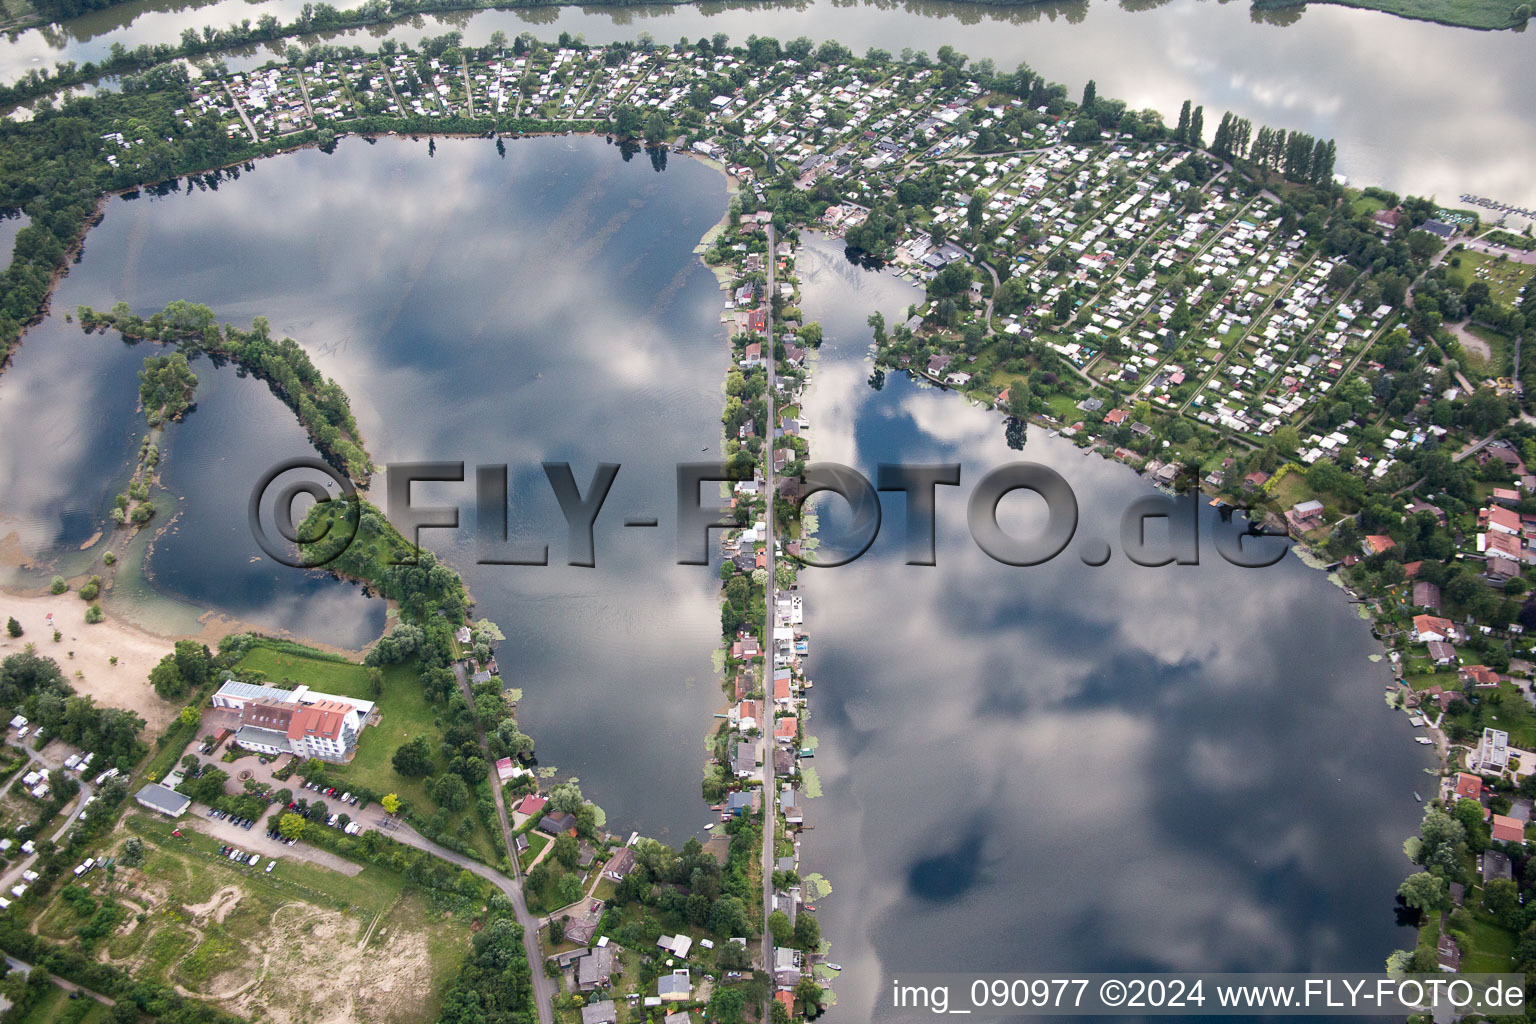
(1480,676)
(1448,954)
(620,864)
(787,998)
(1306,515)
(1468,786)
(1433,627)
(163,799)
(601,1012)
(594,970)
(1115,417)
(506,770)
(1492,753)
(1507,829)
(1255,480)
(675,987)
(741,802)
(1376,544)
(557,822)
(1496,865)
(677,945)
(790,805)
(1426,595)
(746,762)
(1499,519)
(1441,653)
(531,806)
(747,715)
(582,924)
(1387,219)
(785,729)
(1500,567)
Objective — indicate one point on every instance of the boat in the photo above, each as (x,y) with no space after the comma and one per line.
(709,825)
(1418,798)
(834,967)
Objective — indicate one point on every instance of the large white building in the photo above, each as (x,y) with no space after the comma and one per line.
(300,722)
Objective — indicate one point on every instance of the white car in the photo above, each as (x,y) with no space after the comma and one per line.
(270,865)
(255,859)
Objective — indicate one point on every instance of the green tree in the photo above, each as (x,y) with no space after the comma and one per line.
(413,759)
(291,826)
(59,586)
(1422,891)
(133,852)
(807,932)
(167,679)
(778,924)
(451,793)
(13,627)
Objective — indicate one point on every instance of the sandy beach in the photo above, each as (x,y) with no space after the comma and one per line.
(124,685)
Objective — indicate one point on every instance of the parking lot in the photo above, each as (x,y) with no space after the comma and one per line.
(255,840)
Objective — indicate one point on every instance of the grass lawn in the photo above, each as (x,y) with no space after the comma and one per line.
(404,714)
(1504,278)
(536,842)
(1493,947)
(47,1008)
(1504,709)
(1291,490)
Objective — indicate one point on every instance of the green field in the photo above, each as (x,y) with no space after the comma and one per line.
(1493,947)
(1504,278)
(403,715)
(1488,14)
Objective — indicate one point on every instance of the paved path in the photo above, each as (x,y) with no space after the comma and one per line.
(770,589)
(543,985)
(544,990)
(68,986)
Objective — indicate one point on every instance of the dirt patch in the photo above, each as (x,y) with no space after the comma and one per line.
(91,670)
(219,906)
(257,955)
(1472,343)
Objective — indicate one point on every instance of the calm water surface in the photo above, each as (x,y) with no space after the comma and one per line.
(1058,767)
(544,306)
(1055,767)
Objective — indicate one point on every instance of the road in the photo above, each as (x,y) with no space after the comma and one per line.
(543,986)
(770,593)
(68,986)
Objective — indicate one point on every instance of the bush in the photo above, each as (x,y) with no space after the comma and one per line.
(94,614)
(59,586)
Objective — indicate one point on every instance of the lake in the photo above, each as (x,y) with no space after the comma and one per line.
(1025,769)
(1073,768)
(544,306)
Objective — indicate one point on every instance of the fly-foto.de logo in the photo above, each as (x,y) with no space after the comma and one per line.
(325,534)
